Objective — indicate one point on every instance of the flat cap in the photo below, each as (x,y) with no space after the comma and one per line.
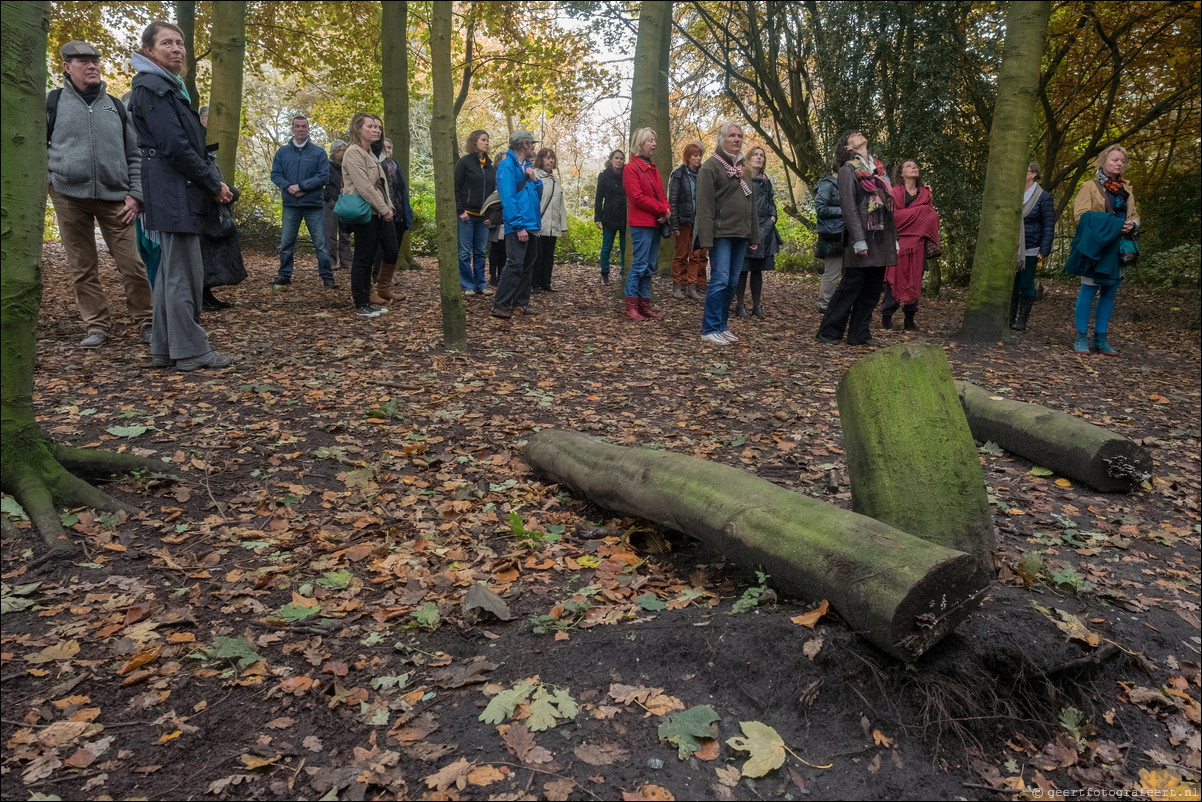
(519,136)
(77,50)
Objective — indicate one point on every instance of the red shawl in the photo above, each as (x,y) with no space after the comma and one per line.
(915,224)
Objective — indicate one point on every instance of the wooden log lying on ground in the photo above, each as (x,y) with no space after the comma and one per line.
(1071,447)
(910,456)
(900,592)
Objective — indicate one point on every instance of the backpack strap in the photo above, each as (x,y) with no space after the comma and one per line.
(55,95)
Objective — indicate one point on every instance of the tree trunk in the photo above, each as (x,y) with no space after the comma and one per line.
(185,13)
(1009,150)
(394,84)
(900,592)
(1056,440)
(228,51)
(32,468)
(442,143)
(934,283)
(910,456)
(649,97)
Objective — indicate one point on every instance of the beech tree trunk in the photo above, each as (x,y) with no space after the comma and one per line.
(442,141)
(649,97)
(228,51)
(394,86)
(1071,447)
(900,592)
(1009,151)
(185,14)
(33,469)
(910,455)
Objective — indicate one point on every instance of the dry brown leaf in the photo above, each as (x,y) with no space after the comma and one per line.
(138,660)
(59,651)
(729,775)
(521,742)
(649,793)
(811,618)
(452,774)
(485,775)
(605,754)
(880,739)
(559,790)
(811,647)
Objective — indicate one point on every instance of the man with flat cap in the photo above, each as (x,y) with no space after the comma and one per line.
(96,178)
(520,190)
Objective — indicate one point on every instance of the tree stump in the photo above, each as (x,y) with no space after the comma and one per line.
(1056,440)
(910,455)
(900,592)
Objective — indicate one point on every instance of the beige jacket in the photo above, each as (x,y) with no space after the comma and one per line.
(363,175)
(1091,199)
(552,207)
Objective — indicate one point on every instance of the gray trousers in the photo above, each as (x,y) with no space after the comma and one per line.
(177,289)
(832,272)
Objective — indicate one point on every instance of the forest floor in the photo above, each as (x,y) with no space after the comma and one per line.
(326,596)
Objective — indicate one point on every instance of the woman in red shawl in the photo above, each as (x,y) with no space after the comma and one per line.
(917,222)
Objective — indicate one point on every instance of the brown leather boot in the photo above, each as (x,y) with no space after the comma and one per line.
(383,289)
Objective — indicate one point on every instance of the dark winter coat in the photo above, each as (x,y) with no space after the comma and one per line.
(308,167)
(830,218)
(765,212)
(180,181)
(609,207)
(682,196)
(398,190)
(334,185)
(723,210)
(1040,224)
(473,184)
(882,245)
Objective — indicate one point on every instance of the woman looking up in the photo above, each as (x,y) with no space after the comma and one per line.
(182,187)
(869,242)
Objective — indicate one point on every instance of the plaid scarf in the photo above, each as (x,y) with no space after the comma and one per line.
(875,184)
(733,171)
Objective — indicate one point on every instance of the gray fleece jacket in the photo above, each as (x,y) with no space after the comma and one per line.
(90,154)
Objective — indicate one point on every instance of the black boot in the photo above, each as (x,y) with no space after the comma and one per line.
(887,321)
(741,310)
(1024,312)
(1013,307)
(909,324)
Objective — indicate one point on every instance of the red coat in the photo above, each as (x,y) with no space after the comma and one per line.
(646,202)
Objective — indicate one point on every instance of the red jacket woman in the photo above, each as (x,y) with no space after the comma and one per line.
(644,192)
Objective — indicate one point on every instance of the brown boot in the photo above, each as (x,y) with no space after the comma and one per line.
(645,310)
(383,288)
(632,309)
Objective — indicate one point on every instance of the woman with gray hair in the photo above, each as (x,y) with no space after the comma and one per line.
(727,224)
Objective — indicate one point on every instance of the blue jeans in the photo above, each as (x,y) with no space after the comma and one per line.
(726,262)
(644,242)
(314,217)
(473,241)
(607,246)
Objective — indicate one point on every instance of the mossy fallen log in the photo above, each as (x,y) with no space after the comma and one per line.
(910,456)
(1071,447)
(900,592)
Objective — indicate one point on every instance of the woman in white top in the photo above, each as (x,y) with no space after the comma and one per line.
(554,216)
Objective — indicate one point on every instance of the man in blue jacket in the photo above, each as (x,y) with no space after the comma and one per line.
(301,169)
(520,190)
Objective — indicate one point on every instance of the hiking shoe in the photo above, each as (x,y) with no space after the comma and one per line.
(714,338)
(95,339)
(368,311)
(525,310)
(160,361)
(210,360)
(280,281)
(144,332)
(504,314)
(330,285)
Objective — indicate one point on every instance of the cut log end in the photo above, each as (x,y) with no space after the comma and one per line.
(936,605)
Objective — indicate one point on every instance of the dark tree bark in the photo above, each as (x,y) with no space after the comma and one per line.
(185,13)
(900,592)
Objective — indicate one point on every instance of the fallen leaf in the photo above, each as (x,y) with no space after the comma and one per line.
(485,775)
(452,774)
(605,754)
(521,742)
(479,597)
(59,651)
(880,739)
(811,618)
(764,744)
(729,775)
(559,790)
(312,743)
(648,793)
(812,647)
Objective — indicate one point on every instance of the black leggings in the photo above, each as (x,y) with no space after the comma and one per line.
(757,285)
(496,261)
(369,236)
